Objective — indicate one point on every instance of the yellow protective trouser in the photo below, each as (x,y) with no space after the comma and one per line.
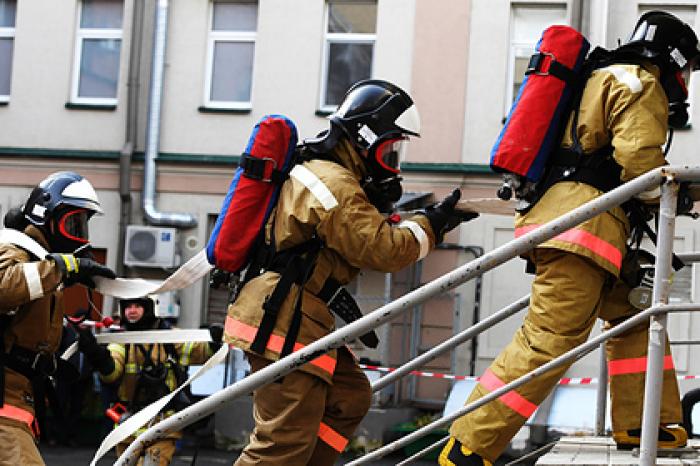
(18,447)
(161,451)
(568,294)
(302,420)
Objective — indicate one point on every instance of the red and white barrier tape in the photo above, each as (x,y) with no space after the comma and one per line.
(438,375)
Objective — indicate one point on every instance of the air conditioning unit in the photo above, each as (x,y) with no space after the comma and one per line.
(150,246)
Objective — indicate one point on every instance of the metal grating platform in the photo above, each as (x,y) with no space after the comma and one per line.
(599,451)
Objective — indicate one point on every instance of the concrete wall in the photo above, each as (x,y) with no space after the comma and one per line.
(440,79)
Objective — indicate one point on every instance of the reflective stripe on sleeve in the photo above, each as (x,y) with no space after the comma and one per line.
(597,246)
(245,332)
(635,365)
(33,279)
(512,399)
(625,77)
(18,414)
(131,368)
(186,353)
(315,185)
(420,235)
(331,437)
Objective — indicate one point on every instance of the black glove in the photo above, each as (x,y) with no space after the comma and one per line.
(443,217)
(98,356)
(80,269)
(217,333)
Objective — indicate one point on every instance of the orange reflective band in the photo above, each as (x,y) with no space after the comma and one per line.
(332,438)
(588,240)
(18,414)
(246,332)
(512,399)
(635,365)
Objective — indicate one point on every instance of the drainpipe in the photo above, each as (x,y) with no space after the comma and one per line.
(132,100)
(151,214)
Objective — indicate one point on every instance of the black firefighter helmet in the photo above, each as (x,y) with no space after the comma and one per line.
(672,45)
(664,39)
(61,205)
(377,117)
(148,319)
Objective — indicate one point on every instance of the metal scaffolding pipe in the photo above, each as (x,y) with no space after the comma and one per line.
(452,342)
(601,392)
(657,326)
(385,313)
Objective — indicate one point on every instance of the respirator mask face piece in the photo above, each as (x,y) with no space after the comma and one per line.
(675,86)
(383,193)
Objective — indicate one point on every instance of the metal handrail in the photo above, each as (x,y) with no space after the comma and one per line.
(574,353)
(444,283)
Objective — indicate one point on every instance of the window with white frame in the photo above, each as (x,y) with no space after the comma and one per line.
(348,48)
(230,54)
(8,10)
(97,52)
(526,27)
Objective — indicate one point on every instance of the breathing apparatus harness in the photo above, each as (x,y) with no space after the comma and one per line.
(295,266)
(151,379)
(600,170)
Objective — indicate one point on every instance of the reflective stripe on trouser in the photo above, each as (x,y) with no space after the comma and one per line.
(18,447)
(302,420)
(160,452)
(565,300)
(247,333)
(627,367)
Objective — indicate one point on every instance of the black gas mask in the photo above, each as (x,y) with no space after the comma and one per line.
(677,94)
(383,193)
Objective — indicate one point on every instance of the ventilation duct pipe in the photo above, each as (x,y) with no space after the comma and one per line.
(151,214)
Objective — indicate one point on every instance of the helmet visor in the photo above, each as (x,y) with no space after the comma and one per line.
(74,225)
(388,154)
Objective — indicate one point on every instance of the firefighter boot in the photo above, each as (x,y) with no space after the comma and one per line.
(456,454)
(673,436)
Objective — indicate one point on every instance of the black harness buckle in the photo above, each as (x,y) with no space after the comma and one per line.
(256,168)
(537,61)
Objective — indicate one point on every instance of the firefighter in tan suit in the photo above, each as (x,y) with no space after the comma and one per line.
(307,417)
(145,372)
(626,108)
(53,219)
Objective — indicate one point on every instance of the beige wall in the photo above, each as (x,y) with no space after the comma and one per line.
(439,78)
(41,76)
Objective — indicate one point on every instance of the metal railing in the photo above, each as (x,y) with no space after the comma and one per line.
(667,177)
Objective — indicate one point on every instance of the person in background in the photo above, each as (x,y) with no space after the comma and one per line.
(144,373)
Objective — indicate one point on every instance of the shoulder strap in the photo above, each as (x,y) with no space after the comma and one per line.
(597,59)
(10,236)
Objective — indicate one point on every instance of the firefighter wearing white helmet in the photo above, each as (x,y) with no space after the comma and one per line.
(327,226)
(54,217)
(616,134)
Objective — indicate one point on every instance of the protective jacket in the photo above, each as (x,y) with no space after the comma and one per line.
(323,198)
(31,301)
(623,105)
(129,367)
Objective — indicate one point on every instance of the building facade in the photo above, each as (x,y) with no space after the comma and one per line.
(99,86)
